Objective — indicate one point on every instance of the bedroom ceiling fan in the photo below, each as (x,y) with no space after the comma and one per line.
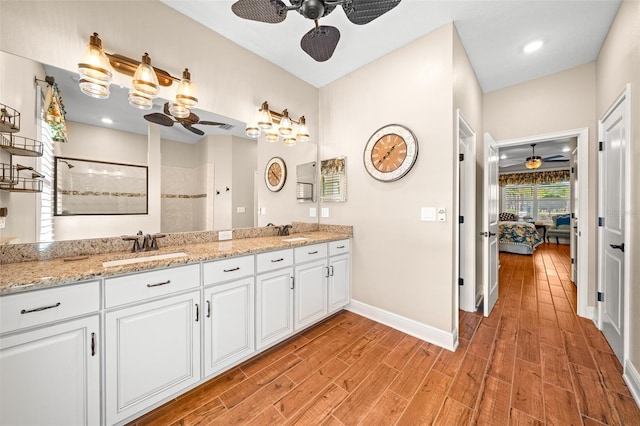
(321,41)
(168,120)
(535,161)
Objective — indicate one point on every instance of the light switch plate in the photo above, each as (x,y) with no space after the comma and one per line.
(313,212)
(225,235)
(325,212)
(240,210)
(428,214)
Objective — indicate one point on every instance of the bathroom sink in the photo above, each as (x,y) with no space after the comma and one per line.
(292,239)
(133,260)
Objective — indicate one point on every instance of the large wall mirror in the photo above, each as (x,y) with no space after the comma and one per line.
(197,181)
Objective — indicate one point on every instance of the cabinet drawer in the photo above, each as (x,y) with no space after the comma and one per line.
(228,269)
(274,260)
(146,285)
(339,247)
(44,306)
(312,252)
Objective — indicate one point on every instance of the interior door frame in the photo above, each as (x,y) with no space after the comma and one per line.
(464,131)
(623,100)
(584,230)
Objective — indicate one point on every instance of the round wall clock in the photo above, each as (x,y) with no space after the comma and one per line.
(275,174)
(390,153)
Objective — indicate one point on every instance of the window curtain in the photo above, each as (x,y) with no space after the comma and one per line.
(535,178)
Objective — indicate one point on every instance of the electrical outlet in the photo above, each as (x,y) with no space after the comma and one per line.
(225,235)
(240,210)
(325,212)
(313,212)
(442,214)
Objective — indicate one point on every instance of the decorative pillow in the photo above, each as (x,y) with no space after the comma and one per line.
(505,216)
(563,219)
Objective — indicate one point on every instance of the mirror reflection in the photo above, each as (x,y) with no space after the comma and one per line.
(333,180)
(306,182)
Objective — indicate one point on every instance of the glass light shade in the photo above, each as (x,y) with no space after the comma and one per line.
(139,100)
(253,131)
(303,131)
(290,140)
(265,122)
(533,162)
(186,93)
(272,135)
(178,110)
(145,80)
(285,124)
(95,70)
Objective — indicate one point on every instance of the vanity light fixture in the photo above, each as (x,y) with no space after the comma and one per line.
(275,124)
(96,71)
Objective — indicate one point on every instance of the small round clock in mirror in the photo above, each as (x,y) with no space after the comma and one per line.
(275,174)
(390,153)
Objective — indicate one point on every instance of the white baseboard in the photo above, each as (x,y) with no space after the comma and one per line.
(632,378)
(447,340)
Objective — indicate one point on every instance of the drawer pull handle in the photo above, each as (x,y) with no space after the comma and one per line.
(340,247)
(277,260)
(44,308)
(237,268)
(197,312)
(93,344)
(331,274)
(159,284)
(313,252)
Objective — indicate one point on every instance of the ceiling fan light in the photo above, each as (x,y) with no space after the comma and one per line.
(185,95)
(145,79)
(253,131)
(265,121)
(178,110)
(272,135)
(95,67)
(533,162)
(303,131)
(285,124)
(140,100)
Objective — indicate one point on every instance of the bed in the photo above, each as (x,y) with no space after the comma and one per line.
(518,237)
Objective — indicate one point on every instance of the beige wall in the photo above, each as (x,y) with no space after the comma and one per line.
(618,64)
(555,103)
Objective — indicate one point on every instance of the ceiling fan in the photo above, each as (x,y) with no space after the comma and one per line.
(535,161)
(321,41)
(168,120)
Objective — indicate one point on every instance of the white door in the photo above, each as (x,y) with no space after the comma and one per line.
(228,324)
(611,218)
(310,293)
(490,224)
(574,216)
(468,293)
(51,376)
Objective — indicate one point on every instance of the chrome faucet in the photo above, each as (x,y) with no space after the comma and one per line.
(149,242)
(283,230)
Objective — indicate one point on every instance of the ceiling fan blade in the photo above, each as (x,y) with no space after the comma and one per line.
(555,161)
(320,42)
(166,109)
(211,123)
(362,12)
(159,118)
(552,157)
(193,129)
(269,11)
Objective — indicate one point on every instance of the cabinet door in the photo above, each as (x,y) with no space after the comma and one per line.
(274,307)
(339,278)
(153,351)
(228,324)
(310,293)
(51,376)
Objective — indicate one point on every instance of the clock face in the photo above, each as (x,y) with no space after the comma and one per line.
(390,153)
(275,174)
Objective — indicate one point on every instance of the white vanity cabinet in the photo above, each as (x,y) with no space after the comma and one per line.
(49,356)
(274,297)
(153,340)
(339,275)
(310,285)
(229,306)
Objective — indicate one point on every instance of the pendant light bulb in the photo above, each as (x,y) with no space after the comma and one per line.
(145,79)
(290,140)
(139,100)
(265,121)
(303,131)
(178,110)
(94,70)
(253,131)
(272,135)
(186,93)
(285,124)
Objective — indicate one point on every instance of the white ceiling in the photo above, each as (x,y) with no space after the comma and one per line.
(492,32)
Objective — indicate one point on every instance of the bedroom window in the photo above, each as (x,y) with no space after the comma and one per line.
(537,202)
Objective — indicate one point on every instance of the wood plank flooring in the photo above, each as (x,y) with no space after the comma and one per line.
(533,362)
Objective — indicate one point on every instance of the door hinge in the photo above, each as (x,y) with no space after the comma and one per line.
(460,281)
(572,260)
(601,221)
(461,219)
(461,157)
(573,215)
(600,146)
(572,170)
(600,296)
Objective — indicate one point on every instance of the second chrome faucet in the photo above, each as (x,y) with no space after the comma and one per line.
(149,242)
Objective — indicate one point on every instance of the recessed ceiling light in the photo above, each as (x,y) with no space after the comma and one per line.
(107,120)
(503,157)
(533,46)
(566,149)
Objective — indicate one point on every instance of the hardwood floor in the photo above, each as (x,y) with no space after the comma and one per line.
(533,362)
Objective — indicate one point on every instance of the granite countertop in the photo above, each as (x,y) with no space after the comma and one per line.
(25,276)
